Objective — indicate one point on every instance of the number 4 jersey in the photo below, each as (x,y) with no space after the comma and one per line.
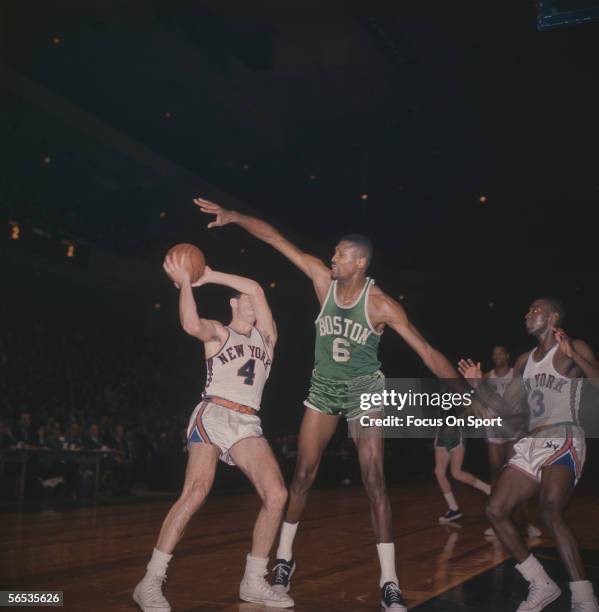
(239,370)
(346,342)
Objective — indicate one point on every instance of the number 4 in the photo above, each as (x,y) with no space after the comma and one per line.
(247,371)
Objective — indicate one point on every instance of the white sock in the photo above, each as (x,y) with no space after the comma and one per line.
(531,569)
(158,563)
(451,502)
(482,486)
(285,550)
(582,590)
(386,553)
(255,567)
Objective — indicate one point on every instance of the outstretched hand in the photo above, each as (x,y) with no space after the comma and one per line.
(223,216)
(470,371)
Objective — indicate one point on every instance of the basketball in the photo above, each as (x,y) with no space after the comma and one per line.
(194,262)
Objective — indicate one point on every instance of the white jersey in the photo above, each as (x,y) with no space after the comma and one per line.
(500,383)
(552,397)
(239,370)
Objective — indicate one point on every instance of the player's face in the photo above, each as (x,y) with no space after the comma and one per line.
(346,261)
(538,318)
(245,310)
(500,357)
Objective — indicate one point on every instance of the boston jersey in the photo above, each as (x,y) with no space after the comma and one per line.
(239,370)
(499,383)
(552,398)
(346,342)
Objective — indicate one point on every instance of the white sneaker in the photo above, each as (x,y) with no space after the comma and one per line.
(148,594)
(585,606)
(533,532)
(256,590)
(541,592)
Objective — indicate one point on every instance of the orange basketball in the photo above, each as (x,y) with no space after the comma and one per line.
(194,262)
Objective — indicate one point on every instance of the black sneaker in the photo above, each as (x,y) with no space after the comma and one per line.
(281,575)
(450,515)
(391,598)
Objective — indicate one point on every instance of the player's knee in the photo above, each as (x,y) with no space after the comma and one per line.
(195,494)
(303,478)
(458,475)
(439,473)
(374,483)
(276,498)
(494,511)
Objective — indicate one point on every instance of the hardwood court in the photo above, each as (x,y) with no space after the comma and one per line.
(96,555)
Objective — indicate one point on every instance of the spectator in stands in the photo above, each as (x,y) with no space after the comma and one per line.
(73,437)
(24,433)
(6,436)
(92,441)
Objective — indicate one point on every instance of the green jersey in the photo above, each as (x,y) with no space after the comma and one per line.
(346,342)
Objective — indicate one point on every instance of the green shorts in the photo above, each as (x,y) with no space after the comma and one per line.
(450,438)
(342,397)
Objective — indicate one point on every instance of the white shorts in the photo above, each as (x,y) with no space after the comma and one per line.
(561,444)
(223,427)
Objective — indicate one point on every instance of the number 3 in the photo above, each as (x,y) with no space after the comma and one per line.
(537,399)
(341,350)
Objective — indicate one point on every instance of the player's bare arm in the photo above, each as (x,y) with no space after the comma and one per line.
(208,331)
(577,357)
(384,310)
(311,266)
(264,320)
(511,401)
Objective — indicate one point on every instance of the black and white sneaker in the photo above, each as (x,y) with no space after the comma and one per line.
(391,598)
(281,575)
(450,515)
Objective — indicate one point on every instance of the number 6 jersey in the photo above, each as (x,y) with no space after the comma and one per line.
(346,342)
(552,398)
(239,370)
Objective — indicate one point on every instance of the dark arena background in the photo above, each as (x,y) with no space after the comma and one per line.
(461,137)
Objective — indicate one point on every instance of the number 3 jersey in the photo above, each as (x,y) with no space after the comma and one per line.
(346,342)
(552,397)
(239,370)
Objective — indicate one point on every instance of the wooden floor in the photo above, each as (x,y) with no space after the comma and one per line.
(96,555)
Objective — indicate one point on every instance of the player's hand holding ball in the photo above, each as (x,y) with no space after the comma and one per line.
(184,263)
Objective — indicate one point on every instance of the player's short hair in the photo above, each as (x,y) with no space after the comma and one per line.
(555,305)
(501,346)
(363,243)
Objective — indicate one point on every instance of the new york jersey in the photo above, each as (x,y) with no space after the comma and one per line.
(239,370)
(552,398)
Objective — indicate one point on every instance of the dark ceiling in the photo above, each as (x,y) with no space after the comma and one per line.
(425,107)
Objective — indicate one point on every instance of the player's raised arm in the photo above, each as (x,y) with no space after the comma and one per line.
(264,320)
(311,266)
(391,313)
(205,330)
